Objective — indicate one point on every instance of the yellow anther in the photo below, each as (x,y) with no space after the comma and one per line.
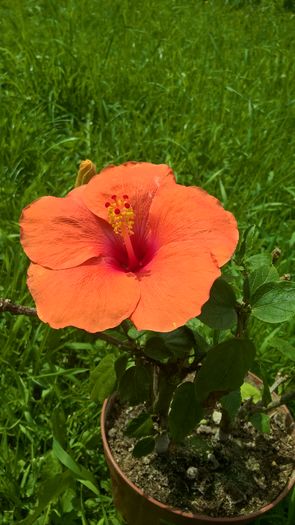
(120,215)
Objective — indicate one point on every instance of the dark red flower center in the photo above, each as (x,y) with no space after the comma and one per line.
(131,248)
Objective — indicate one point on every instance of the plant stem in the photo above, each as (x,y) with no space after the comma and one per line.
(279,380)
(243,311)
(285,398)
(126,325)
(225,423)
(6,305)
(113,340)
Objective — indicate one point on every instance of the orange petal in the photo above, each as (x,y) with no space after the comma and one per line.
(61,232)
(138,180)
(174,286)
(94,296)
(189,213)
(77,193)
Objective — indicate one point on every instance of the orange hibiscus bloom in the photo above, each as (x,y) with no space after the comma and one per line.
(129,244)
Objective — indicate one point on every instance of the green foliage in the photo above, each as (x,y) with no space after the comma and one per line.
(254,262)
(140,426)
(80,473)
(224,367)
(261,422)
(284,347)
(198,444)
(135,385)
(219,311)
(185,412)
(231,402)
(249,391)
(262,275)
(103,378)
(291,513)
(274,302)
(121,365)
(170,345)
(48,491)
(144,447)
(156,349)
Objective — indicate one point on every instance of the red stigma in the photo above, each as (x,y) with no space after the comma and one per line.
(127,205)
(117,211)
(107,204)
(125,197)
(114,197)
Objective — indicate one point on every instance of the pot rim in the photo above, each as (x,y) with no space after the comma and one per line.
(189,515)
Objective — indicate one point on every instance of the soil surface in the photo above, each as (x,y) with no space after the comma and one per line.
(212,477)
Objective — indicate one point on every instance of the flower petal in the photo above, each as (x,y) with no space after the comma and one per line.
(174,286)
(189,213)
(94,296)
(61,232)
(138,180)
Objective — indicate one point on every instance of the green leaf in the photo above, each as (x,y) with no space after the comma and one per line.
(144,447)
(164,394)
(135,334)
(121,365)
(284,347)
(51,466)
(201,342)
(262,275)
(175,344)
(274,302)
(249,391)
(224,367)
(104,378)
(114,521)
(231,403)
(256,261)
(155,348)
(197,444)
(87,347)
(67,501)
(117,334)
(185,411)
(135,385)
(219,311)
(81,474)
(140,426)
(49,490)
(244,241)
(291,510)
(261,422)
(59,428)
(266,393)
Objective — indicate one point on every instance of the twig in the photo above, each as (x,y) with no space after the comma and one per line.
(6,305)
(278,381)
(285,398)
(113,340)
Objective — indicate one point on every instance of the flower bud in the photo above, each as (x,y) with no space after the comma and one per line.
(275,255)
(87,170)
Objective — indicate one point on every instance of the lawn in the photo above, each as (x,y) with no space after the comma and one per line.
(205,86)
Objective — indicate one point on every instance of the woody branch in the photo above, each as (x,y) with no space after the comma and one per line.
(6,305)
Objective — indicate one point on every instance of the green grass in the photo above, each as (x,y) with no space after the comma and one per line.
(207,87)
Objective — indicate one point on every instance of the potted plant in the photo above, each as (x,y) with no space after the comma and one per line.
(191,436)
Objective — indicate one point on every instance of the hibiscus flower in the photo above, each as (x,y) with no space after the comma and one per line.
(131,243)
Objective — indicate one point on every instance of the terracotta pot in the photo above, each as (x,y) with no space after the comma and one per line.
(139,509)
